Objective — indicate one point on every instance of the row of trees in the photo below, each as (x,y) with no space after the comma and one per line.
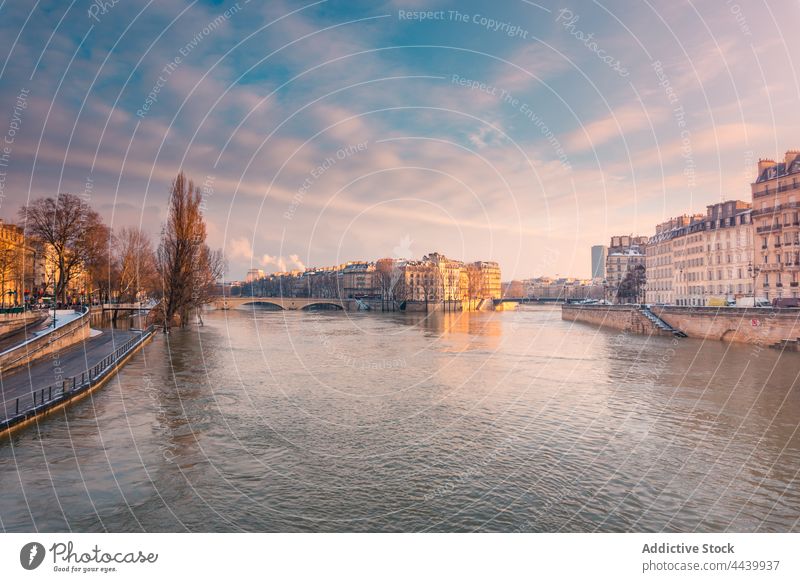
(73,242)
(180,273)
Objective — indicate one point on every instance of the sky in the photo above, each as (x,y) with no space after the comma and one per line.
(330,131)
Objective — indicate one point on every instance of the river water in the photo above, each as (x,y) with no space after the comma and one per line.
(331,421)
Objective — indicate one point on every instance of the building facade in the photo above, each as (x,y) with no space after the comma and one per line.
(702,259)
(254,275)
(776,265)
(488,274)
(563,289)
(358,280)
(662,271)
(729,252)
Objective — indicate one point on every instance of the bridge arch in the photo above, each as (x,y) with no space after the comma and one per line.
(285,303)
(264,303)
(322,305)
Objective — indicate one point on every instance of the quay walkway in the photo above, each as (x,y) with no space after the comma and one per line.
(33,389)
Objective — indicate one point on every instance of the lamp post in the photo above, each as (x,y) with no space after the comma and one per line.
(753,271)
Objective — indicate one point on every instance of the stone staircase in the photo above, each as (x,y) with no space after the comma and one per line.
(660,323)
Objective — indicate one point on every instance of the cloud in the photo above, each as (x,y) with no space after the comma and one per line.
(240,248)
(294,262)
(297,262)
(622,122)
(279,262)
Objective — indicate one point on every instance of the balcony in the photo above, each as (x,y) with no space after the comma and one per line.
(770,228)
(793,284)
(777,245)
(773,191)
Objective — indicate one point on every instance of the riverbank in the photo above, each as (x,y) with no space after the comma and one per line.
(72,327)
(759,326)
(51,384)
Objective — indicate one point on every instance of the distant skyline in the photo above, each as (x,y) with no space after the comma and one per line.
(322,132)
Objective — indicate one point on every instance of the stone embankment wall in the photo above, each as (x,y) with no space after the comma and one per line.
(755,326)
(71,333)
(622,317)
(13,322)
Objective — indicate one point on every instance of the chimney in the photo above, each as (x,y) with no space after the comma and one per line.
(791,156)
(764,164)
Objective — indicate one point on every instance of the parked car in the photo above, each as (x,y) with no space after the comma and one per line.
(750,302)
(780,302)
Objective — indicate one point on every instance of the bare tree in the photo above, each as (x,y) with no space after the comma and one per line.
(186,267)
(385,279)
(631,289)
(68,226)
(401,291)
(134,265)
(97,260)
(431,283)
(453,280)
(474,284)
(209,268)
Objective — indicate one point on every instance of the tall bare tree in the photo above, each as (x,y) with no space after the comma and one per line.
(186,267)
(386,279)
(68,226)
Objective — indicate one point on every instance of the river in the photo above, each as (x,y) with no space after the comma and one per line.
(332,421)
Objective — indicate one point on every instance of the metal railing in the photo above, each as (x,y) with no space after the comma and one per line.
(17,409)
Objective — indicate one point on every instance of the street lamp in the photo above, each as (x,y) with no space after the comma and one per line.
(753,271)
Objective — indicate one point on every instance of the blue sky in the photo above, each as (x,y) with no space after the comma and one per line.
(330,131)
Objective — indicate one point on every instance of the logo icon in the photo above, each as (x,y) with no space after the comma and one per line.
(31,555)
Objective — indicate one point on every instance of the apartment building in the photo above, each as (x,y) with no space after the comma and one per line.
(489,279)
(662,272)
(729,252)
(777,227)
(701,259)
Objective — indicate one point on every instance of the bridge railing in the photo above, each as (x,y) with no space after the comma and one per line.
(16,410)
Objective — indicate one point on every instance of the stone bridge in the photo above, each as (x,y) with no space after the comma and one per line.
(287,303)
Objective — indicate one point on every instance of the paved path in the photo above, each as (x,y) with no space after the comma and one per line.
(74,360)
